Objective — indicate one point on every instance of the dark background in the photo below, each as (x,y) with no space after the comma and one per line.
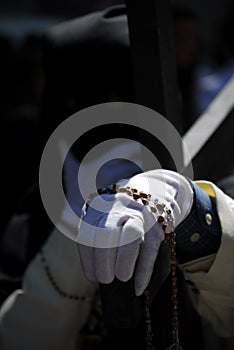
(21,78)
(20,17)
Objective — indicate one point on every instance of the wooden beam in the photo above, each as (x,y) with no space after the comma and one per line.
(152,44)
(210,139)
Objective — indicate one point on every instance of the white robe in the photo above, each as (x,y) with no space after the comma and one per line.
(38,317)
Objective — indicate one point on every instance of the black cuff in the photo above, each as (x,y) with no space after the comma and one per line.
(199,235)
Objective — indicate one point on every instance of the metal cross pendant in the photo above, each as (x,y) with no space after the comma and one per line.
(175,347)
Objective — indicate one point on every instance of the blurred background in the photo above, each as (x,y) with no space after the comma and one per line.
(204,46)
(20,18)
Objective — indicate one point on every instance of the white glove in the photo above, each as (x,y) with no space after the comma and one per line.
(123,231)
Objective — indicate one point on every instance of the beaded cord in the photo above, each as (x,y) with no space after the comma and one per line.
(164,217)
(159,209)
(148,326)
(55,284)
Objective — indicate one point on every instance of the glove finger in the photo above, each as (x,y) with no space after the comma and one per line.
(126,260)
(106,248)
(105,264)
(132,232)
(87,262)
(148,254)
(85,243)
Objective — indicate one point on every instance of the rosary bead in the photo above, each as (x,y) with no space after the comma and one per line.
(173,255)
(173,267)
(143,195)
(175,301)
(173,234)
(134,190)
(175,312)
(153,209)
(167,237)
(160,206)
(172,244)
(175,322)
(160,219)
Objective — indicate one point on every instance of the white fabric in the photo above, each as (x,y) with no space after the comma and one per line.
(125,220)
(37,317)
(215,301)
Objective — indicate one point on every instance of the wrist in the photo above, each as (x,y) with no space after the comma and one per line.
(199,235)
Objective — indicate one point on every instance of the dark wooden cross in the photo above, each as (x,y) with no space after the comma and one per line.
(152,43)
(209,140)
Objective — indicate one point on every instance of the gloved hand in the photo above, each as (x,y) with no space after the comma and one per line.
(119,235)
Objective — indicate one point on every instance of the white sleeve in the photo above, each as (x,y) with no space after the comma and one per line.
(53,304)
(213,276)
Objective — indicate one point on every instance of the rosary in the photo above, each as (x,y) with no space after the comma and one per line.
(164,217)
(169,237)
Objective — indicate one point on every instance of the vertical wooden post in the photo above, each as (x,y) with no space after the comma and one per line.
(152,44)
